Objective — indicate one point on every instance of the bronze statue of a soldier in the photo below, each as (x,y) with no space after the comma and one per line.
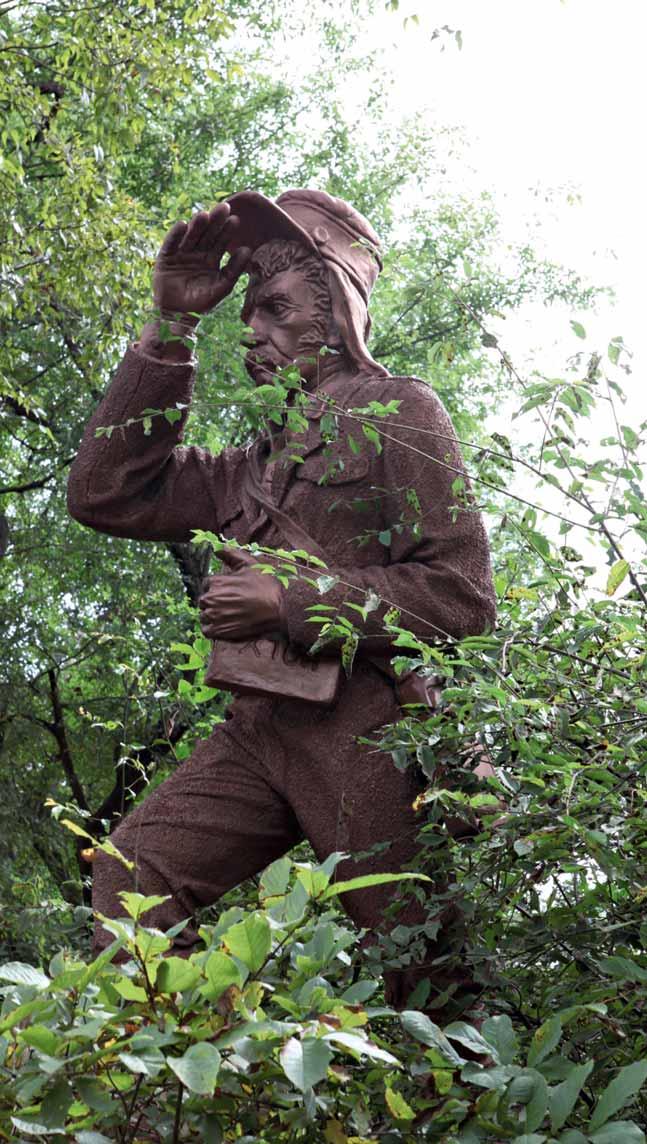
(282,768)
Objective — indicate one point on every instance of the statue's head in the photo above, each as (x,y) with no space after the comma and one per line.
(314,262)
(288,309)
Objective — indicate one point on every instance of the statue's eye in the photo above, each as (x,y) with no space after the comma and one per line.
(277,309)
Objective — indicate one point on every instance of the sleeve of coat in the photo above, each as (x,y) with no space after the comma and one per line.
(145,486)
(438,574)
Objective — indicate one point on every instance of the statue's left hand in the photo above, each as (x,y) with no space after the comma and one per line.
(242,603)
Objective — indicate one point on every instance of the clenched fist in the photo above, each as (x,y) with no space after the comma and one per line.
(242,603)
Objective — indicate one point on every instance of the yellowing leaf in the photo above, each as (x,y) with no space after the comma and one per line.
(617,574)
(398,1106)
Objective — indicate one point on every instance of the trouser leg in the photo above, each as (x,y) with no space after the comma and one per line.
(216,821)
(349,796)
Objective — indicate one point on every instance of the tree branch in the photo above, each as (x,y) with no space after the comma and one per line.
(59,732)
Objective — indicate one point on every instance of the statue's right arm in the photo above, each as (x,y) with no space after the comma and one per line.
(146,486)
(142,484)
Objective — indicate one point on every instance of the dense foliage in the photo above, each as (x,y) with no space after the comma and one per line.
(117,119)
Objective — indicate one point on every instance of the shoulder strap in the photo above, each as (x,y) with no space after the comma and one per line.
(293,532)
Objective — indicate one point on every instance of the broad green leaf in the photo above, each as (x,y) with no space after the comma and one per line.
(53,1110)
(13,1018)
(33,1127)
(499,1032)
(305,1063)
(545,1040)
(537,1106)
(198,1067)
(418,1025)
(148,1061)
(470,1037)
(623,968)
(562,1098)
(94,1094)
(18,973)
(362,1046)
(41,1037)
(578,329)
(275,878)
(369,880)
(250,940)
(136,905)
(621,1089)
(221,972)
(619,1132)
(175,974)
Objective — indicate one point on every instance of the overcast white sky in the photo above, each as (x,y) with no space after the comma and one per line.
(551,94)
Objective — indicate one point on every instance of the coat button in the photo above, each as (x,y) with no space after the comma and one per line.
(320,235)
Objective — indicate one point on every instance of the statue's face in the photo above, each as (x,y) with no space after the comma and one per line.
(282,314)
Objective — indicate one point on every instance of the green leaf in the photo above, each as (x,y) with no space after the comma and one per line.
(175,974)
(470,1037)
(384,537)
(94,1094)
(148,1061)
(136,905)
(42,1038)
(373,436)
(53,1110)
(173,415)
(538,1104)
(619,1132)
(86,1137)
(623,968)
(33,1127)
(369,880)
(18,973)
(545,1040)
(198,1067)
(305,1063)
(622,1088)
(617,574)
(221,972)
(250,940)
(499,1032)
(362,1047)
(562,1098)
(578,329)
(419,1026)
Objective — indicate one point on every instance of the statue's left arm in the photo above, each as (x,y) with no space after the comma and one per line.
(438,572)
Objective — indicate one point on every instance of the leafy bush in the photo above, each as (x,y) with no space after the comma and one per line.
(268,1033)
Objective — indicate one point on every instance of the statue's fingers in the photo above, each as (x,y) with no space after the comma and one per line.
(173,238)
(237,264)
(218,216)
(194,231)
(223,239)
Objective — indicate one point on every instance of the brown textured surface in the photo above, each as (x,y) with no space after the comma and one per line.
(277,769)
